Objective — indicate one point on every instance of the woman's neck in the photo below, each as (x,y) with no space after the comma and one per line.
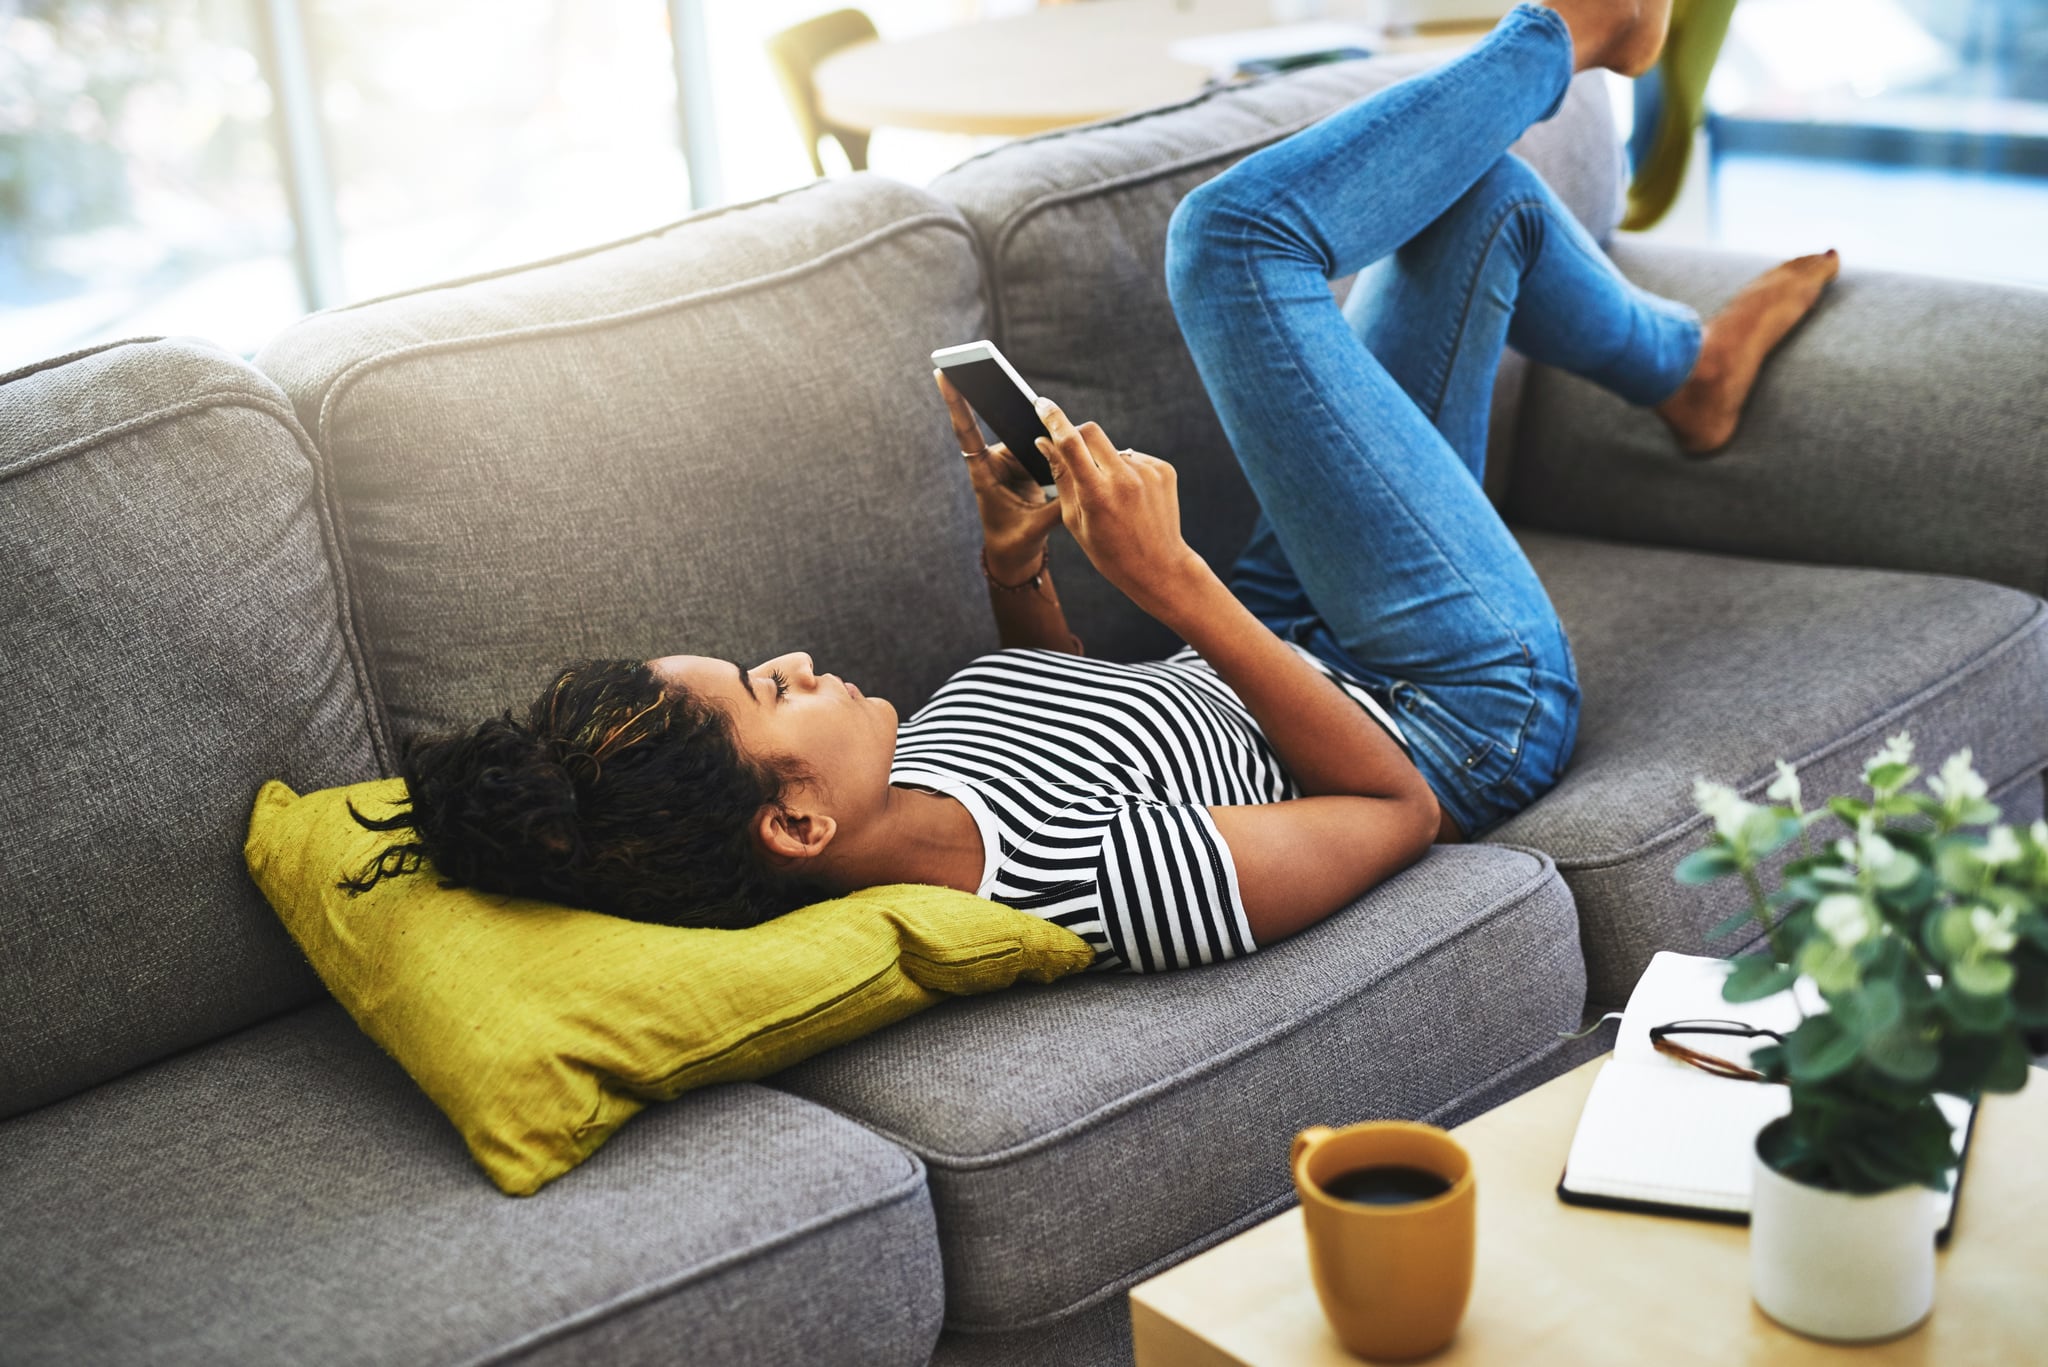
(920,837)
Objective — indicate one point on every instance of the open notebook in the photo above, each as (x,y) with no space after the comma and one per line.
(1664,1137)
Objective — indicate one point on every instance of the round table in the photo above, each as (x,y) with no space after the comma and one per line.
(1048,68)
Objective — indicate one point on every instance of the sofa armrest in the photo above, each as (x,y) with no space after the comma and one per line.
(1904,425)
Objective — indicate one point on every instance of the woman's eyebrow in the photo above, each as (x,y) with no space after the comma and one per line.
(747,684)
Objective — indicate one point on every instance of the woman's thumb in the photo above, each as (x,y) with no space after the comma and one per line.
(1052,458)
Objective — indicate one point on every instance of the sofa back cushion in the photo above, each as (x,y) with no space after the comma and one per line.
(720,437)
(1072,227)
(172,634)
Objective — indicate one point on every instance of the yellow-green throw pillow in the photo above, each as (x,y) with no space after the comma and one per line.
(540,1030)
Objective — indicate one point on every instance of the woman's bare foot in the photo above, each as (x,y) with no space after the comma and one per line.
(1624,36)
(1733,346)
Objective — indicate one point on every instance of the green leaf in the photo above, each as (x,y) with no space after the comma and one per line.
(1903,869)
(1872,1011)
(1981,977)
(2009,1072)
(1957,864)
(1902,1055)
(1851,810)
(1886,777)
(1732,924)
(1950,935)
(1978,812)
(1819,1049)
(1755,977)
(1704,866)
(1907,805)
(1768,829)
(1978,1014)
(1832,968)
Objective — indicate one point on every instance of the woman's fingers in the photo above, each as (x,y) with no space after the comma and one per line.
(1073,447)
(1100,446)
(1042,519)
(965,428)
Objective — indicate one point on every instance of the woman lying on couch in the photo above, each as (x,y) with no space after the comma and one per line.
(1383,670)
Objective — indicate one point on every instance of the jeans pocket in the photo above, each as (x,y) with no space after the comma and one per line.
(1477,761)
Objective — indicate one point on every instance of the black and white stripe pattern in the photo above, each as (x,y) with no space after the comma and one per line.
(1092,781)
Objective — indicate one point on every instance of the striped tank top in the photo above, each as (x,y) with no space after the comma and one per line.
(1090,783)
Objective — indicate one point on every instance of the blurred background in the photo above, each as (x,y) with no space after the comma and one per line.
(219,167)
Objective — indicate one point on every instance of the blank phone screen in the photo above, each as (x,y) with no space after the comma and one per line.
(1007,412)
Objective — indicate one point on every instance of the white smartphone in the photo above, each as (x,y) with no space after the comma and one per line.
(1002,400)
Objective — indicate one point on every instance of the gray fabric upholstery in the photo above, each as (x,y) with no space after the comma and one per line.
(1073,231)
(1900,426)
(1099,1336)
(1154,1114)
(720,438)
(288,1196)
(1698,664)
(171,635)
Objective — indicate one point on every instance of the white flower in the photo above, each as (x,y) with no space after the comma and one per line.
(1723,804)
(2038,833)
(1957,782)
(1871,851)
(1897,750)
(1844,917)
(2001,846)
(1785,788)
(1994,929)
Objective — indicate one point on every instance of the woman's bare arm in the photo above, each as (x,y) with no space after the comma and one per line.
(1029,616)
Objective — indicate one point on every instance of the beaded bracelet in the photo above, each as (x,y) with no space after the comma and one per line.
(1030,585)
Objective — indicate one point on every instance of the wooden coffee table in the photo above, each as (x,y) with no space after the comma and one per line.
(1568,1285)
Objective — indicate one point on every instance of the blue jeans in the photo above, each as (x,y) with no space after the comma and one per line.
(1363,429)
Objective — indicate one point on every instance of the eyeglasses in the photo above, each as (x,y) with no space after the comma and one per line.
(1661,1041)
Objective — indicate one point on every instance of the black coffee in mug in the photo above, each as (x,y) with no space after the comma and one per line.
(1386,1184)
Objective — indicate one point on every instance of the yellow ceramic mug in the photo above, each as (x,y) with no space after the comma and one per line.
(1393,1279)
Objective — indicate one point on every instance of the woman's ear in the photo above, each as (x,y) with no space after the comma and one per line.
(789,835)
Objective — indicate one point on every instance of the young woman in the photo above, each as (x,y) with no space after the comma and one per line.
(1383,670)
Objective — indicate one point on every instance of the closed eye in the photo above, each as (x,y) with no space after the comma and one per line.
(781,684)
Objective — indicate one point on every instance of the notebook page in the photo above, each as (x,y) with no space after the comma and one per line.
(1671,1136)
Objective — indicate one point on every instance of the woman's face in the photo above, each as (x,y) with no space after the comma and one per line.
(785,707)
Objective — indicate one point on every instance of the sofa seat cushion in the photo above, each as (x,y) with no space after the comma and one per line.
(1692,664)
(286,1195)
(1083,1135)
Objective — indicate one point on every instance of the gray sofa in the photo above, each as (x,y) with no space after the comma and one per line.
(722,436)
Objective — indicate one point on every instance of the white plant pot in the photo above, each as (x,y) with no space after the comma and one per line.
(1832,1265)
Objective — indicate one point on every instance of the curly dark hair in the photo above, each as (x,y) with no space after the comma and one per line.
(616,794)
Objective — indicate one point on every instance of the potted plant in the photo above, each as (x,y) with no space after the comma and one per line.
(1924,931)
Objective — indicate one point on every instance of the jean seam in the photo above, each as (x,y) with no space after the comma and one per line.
(1443,383)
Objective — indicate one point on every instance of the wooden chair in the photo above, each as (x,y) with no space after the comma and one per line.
(795,53)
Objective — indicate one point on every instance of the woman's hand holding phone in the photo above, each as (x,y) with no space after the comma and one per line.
(1123,507)
(1016,516)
